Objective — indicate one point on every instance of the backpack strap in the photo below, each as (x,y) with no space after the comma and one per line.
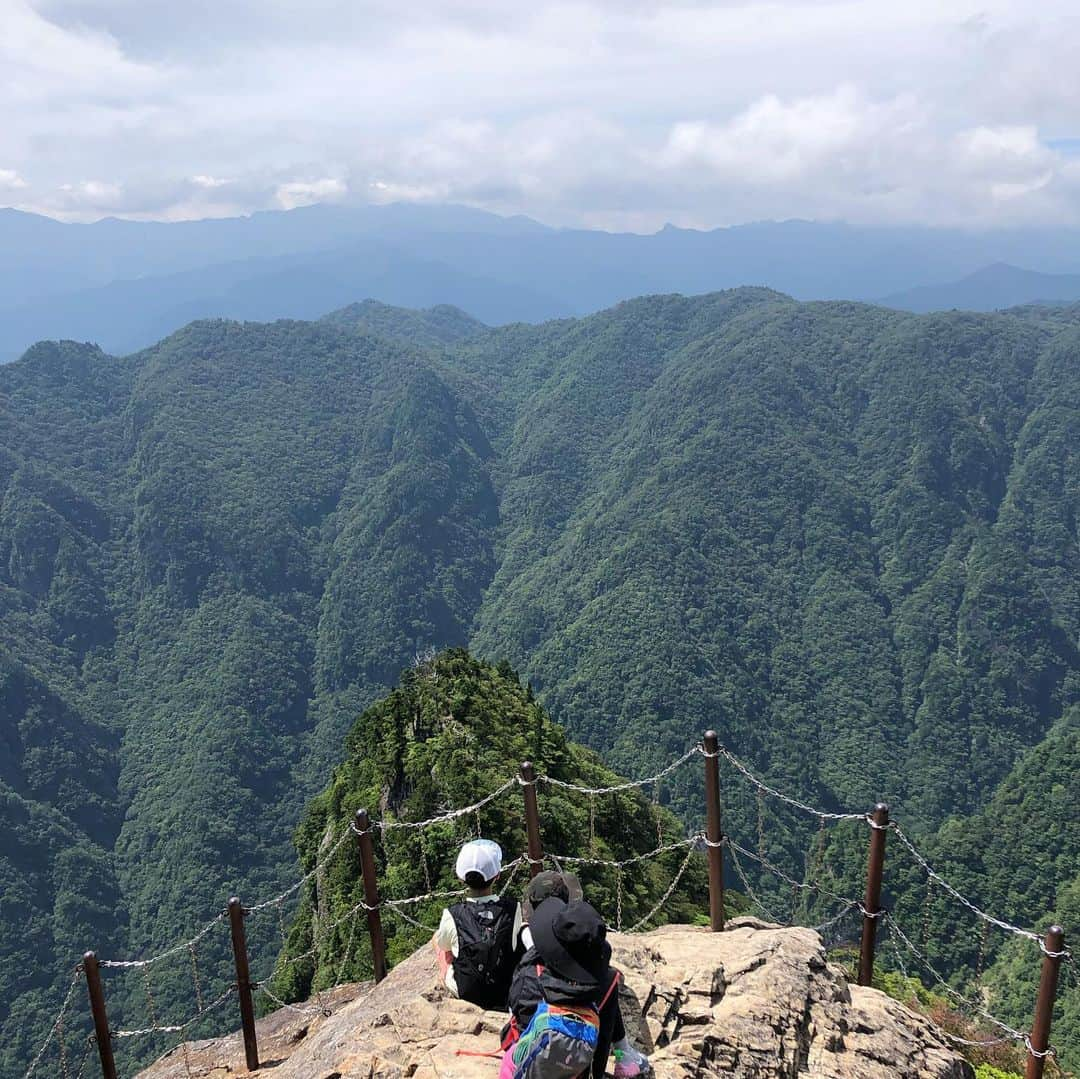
(610,989)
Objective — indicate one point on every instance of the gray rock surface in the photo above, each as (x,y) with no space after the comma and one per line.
(755,1001)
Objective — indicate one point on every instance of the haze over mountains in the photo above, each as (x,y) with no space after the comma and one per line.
(993,288)
(125,284)
(846,536)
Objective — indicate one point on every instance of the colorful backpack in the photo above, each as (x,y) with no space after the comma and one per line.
(558,1043)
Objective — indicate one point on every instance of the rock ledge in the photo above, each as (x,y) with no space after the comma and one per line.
(755,1001)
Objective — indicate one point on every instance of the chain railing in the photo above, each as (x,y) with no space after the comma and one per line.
(712,842)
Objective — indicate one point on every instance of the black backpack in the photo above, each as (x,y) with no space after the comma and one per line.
(485,961)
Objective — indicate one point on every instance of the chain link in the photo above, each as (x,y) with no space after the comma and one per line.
(175,1028)
(1006,927)
(441,818)
(630,784)
(895,930)
(136,963)
(690,841)
(58,1022)
(618,898)
(762,786)
(667,895)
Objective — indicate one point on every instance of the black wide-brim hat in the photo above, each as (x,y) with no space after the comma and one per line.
(572,940)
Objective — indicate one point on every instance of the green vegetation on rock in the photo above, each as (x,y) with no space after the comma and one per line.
(449,735)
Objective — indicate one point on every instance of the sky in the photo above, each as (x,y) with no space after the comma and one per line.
(615,114)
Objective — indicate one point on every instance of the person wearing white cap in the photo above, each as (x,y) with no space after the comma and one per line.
(477,940)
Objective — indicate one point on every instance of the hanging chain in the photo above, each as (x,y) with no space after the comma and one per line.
(813,867)
(187,1060)
(984,936)
(150,998)
(924,940)
(348,950)
(658,815)
(195,978)
(761,825)
(592,825)
(63,1047)
(281,923)
(424,863)
(90,1042)
(618,898)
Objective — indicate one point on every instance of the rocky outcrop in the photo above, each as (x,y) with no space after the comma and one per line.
(755,1001)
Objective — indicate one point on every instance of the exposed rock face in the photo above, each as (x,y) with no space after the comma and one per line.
(753,1002)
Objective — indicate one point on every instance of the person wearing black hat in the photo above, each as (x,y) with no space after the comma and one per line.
(568,962)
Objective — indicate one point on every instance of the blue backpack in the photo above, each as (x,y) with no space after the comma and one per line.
(559,1042)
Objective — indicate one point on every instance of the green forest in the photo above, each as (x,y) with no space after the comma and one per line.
(845,537)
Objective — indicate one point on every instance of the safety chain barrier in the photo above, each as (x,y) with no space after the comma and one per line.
(442,818)
(134,964)
(631,784)
(761,785)
(176,1028)
(713,841)
(58,1023)
(320,864)
(690,841)
(1010,1033)
(801,885)
(637,926)
(938,879)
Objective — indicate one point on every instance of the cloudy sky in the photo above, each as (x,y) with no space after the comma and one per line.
(607,113)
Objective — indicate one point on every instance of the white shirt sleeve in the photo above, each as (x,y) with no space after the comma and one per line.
(446,936)
(519,928)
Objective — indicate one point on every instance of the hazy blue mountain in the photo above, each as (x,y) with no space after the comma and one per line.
(125,316)
(42,257)
(301,263)
(993,288)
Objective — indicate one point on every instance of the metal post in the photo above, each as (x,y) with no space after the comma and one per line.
(875,867)
(1039,1041)
(101,1018)
(714,832)
(532,819)
(371,893)
(243,983)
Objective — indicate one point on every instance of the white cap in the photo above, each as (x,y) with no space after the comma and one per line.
(481,856)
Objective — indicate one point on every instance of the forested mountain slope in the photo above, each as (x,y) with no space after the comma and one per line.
(845,536)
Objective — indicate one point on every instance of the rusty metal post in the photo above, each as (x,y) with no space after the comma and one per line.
(875,867)
(371,893)
(1039,1041)
(532,819)
(714,831)
(243,983)
(102,1034)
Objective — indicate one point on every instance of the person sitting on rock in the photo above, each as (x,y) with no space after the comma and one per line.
(527,987)
(477,939)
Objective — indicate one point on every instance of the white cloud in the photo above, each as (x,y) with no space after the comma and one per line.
(306,192)
(209,182)
(11,180)
(606,112)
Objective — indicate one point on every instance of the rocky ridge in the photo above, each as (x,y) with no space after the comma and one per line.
(755,1001)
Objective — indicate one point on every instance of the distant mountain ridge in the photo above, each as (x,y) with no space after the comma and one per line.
(125,284)
(993,288)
